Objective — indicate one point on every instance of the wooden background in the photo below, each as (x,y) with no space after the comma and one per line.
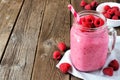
(29,33)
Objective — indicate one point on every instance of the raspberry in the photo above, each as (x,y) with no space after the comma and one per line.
(108,71)
(115,17)
(86,24)
(98,22)
(107,15)
(83,3)
(106,7)
(88,7)
(82,20)
(110,11)
(117,13)
(93,4)
(62,46)
(114,64)
(56,55)
(90,18)
(64,67)
(115,8)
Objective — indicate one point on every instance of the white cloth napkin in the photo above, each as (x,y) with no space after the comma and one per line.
(96,75)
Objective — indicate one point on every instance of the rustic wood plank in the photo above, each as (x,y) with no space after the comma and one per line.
(17,63)
(9,10)
(55,28)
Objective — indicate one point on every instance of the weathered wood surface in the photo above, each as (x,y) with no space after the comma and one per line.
(56,22)
(29,33)
(18,59)
(9,10)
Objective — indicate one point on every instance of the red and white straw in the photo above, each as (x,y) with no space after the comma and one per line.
(70,7)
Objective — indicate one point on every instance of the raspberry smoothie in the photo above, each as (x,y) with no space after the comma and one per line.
(89,47)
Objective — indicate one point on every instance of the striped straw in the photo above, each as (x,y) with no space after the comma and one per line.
(70,7)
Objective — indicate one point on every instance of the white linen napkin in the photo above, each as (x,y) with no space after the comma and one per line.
(95,75)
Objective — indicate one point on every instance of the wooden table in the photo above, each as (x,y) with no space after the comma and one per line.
(29,33)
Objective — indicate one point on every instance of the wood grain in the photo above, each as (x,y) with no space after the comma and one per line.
(17,63)
(9,10)
(55,28)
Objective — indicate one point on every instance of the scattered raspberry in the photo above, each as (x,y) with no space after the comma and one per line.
(83,3)
(94,4)
(88,7)
(106,7)
(62,46)
(114,64)
(107,15)
(56,55)
(64,67)
(98,22)
(115,17)
(108,71)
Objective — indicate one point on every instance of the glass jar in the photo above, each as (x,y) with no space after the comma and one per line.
(89,46)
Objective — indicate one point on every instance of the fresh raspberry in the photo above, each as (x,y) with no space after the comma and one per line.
(90,18)
(82,20)
(62,46)
(115,8)
(106,7)
(94,4)
(114,64)
(88,7)
(110,11)
(115,17)
(108,71)
(117,13)
(64,67)
(87,21)
(56,55)
(83,3)
(86,24)
(98,22)
(107,15)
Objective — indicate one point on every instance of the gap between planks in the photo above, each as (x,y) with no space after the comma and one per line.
(11,31)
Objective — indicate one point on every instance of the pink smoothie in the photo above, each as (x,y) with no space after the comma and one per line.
(88,49)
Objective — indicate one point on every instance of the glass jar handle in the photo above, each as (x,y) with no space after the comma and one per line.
(112,38)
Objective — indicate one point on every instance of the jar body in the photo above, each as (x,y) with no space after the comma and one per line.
(88,49)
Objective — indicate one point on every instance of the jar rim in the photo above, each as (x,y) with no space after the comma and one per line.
(88,12)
